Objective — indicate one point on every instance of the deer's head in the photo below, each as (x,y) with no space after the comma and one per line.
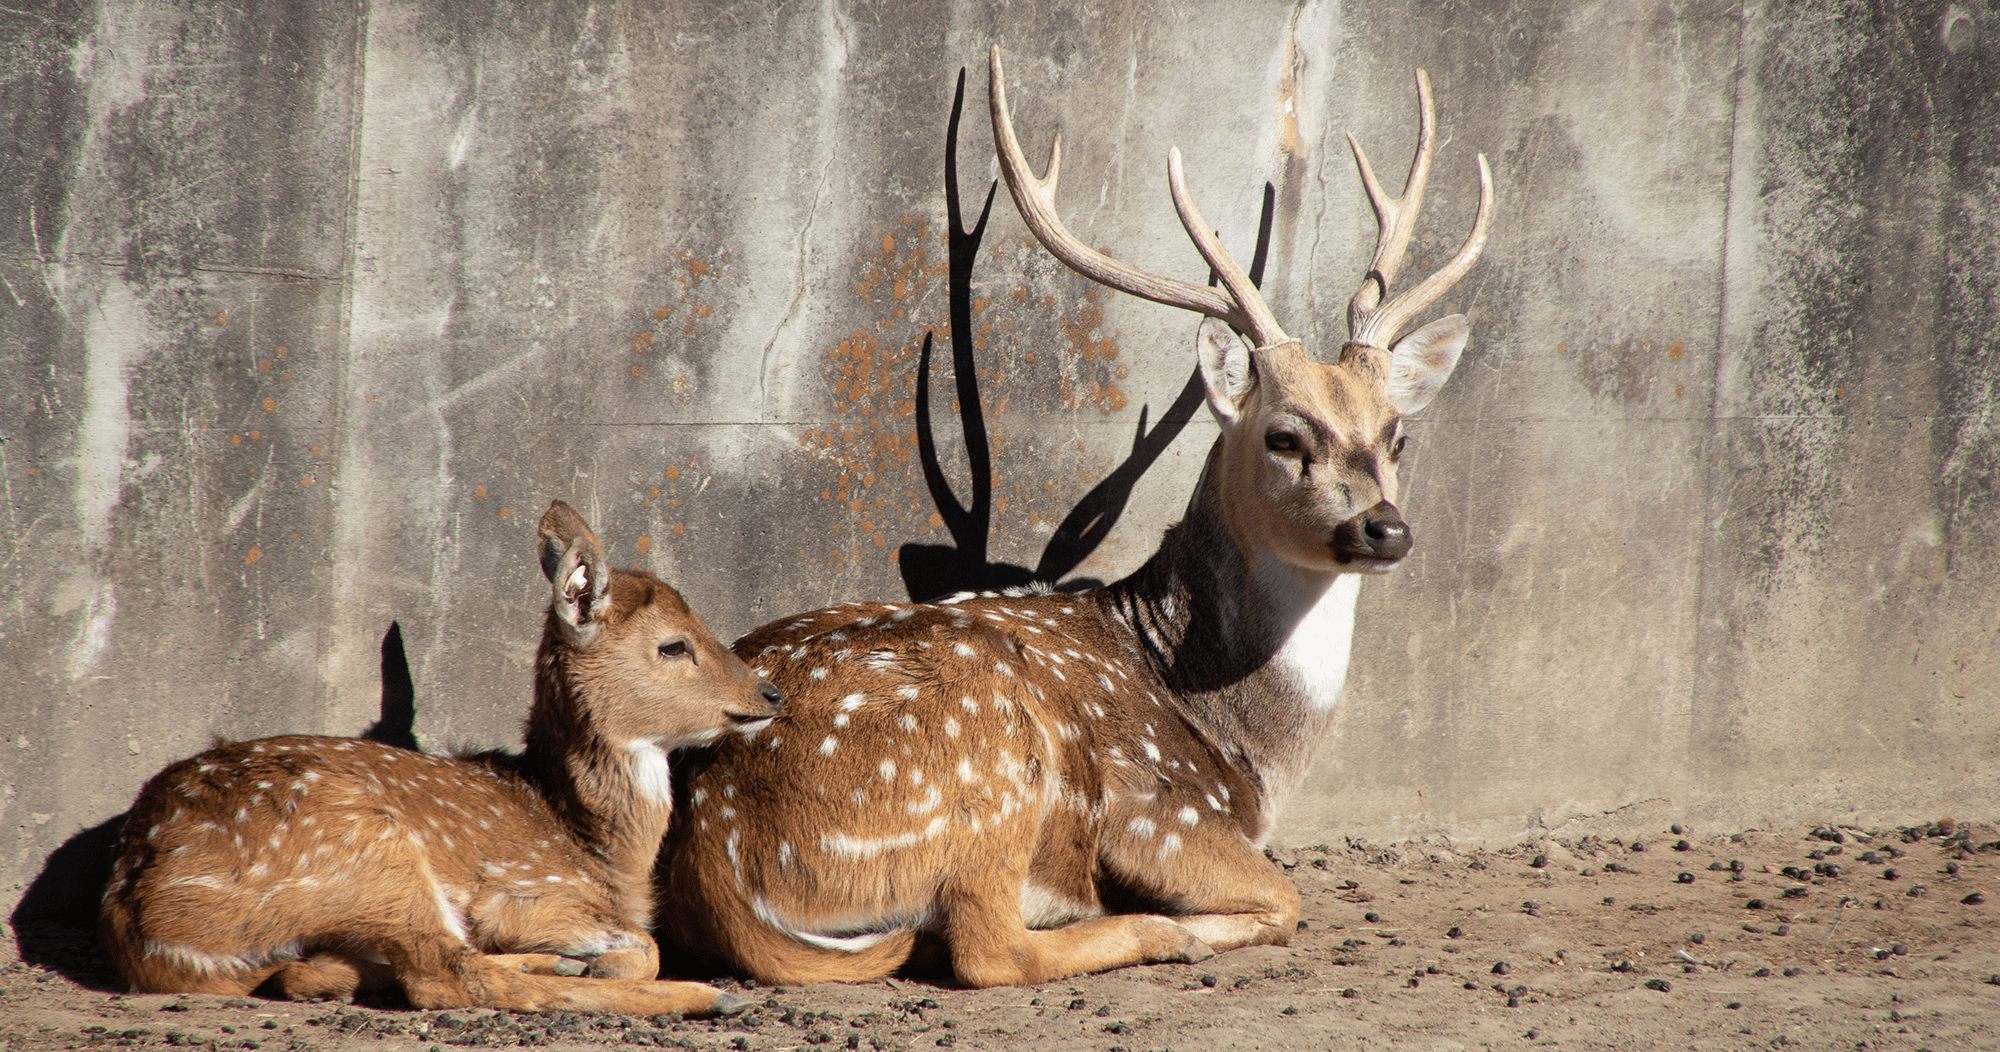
(1308,449)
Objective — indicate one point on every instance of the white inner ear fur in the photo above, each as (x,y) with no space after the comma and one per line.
(1226,374)
(1420,363)
(573,603)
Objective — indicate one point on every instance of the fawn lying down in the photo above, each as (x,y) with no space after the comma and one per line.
(318,866)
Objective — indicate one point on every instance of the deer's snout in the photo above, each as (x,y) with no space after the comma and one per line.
(1378,533)
(768,693)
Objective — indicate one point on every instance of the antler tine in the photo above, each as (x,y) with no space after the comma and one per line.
(1259,322)
(1395,218)
(1385,321)
(1036,200)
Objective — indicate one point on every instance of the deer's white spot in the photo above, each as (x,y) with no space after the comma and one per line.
(1188,816)
(950,727)
(1170,844)
(1140,827)
(1152,751)
(962,650)
(907,722)
(826,747)
(819,673)
(887,769)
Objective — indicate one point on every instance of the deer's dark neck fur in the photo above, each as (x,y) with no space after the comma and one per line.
(1253,650)
(587,780)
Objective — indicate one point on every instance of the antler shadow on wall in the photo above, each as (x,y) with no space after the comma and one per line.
(931,571)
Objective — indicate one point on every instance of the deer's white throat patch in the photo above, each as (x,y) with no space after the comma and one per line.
(651,774)
(1315,656)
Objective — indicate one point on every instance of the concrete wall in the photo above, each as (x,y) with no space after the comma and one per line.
(310,309)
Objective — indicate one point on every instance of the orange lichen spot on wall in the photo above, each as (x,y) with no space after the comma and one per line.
(282,351)
(254,555)
(235,440)
(1679,389)
(1562,348)
(642,343)
(1676,350)
(506,513)
(222,319)
(315,451)
(1839,393)
(264,366)
(479,493)
(679,529)
(643,544)
(256,436)
(936,520)
(653,491)
(638,370)
(660,314)
(270,405)
(307,481)
(673,472)
(880,541)
(888,244)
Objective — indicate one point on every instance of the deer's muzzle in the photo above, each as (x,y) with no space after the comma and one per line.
(1378,533)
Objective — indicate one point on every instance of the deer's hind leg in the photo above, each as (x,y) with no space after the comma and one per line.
(991,944)
(330,977)
(1217,886)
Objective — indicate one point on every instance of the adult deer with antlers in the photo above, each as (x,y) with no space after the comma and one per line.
(1001,772)
(322,865)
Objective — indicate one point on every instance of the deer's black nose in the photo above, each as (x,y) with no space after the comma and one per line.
(1378,533)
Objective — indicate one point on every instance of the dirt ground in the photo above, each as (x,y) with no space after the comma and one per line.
(1824,939)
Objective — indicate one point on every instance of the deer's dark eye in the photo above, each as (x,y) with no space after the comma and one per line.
(677,648)
(1281,442)
(1396,447)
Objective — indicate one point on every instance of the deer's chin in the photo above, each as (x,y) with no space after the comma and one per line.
(1346,563)
(752,728)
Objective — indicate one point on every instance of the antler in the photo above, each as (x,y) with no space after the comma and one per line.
(1035,198)
(1395,218)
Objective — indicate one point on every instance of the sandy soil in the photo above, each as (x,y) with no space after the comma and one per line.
(1581,944)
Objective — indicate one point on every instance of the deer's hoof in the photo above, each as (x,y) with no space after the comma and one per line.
(730,1004)
(1162,940)
(568,966)
(1197,950)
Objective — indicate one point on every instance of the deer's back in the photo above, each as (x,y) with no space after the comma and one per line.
(307,823)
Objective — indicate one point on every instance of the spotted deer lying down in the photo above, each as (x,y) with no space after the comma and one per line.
(1060,783)
(321,865)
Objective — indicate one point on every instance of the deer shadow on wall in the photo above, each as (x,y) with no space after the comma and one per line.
(932,571)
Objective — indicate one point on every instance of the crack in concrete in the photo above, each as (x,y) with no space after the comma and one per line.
(792,310)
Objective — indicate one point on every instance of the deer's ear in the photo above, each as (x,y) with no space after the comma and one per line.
(1228,372)
(1420,363)
(579,581)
